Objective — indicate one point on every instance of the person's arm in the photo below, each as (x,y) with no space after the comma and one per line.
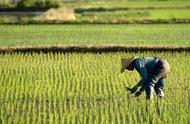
(141,68)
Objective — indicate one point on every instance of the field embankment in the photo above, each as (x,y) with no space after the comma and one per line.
(92,48)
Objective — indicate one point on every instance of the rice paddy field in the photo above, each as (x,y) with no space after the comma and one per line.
(88,88)
(134,14)
(135,34)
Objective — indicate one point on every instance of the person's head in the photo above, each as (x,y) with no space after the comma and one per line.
(127,64)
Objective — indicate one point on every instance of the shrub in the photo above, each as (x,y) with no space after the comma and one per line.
(47,4)
(38,4)
(25,3)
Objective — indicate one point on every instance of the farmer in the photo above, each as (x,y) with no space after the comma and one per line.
(152,70)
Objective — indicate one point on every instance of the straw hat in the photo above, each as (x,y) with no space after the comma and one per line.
(125,62)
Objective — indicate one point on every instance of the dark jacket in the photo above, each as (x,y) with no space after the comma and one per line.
(145,67)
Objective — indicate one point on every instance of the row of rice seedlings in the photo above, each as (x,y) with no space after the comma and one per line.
(86,88)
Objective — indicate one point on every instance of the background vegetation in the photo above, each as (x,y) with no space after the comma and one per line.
(104,11)
(37,4)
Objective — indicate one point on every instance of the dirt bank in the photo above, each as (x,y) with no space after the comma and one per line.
(92,48)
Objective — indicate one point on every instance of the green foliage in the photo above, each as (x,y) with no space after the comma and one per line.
(25,3)
(37,4)
(46,4)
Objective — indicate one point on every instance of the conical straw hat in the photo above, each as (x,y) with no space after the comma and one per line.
(125,62)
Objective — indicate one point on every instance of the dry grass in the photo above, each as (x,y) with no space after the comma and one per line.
(60,14)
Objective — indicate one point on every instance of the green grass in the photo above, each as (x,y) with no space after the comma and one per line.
(152,14)
(169,14)
(128,4)
(35,35)
(87,88)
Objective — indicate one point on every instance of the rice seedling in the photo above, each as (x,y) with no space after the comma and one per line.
(87,88)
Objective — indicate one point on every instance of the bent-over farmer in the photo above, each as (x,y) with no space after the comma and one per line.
(152,70)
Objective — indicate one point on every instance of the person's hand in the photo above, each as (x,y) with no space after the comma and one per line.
(138,93)
(132,90)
